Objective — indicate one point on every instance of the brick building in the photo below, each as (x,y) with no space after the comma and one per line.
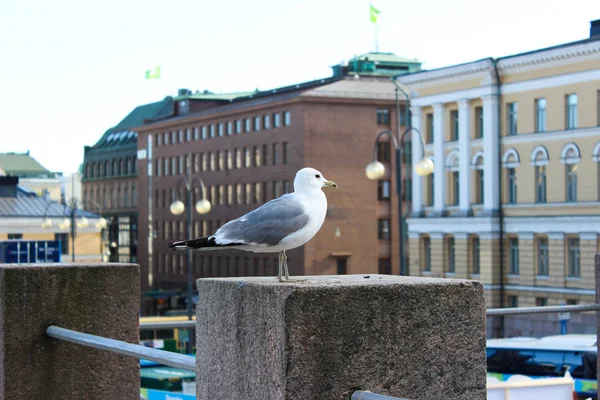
(247,151)
(514,199)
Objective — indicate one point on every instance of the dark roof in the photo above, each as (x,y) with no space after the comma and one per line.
(26,204)
(24,166)
(258,97)
(123,135)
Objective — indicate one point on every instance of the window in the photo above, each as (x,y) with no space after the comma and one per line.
(211,131)
(511,185)
(188,135)
(276,120)
(287,118)
(429,130)
(285,153)
(256,124)
(478,122)
(574,263)
(266,121)
(540,115)
(385,266)
(286,187)
(430,189)
(571,111)
(571,182)
(196,137)
(158,140)
(513,248)
(475,256)
(512,118)
(180,136)
(542,256)
(64,242)
(454,178)
(540,184)
(257,193)
(238,126)
(229,155)
(450,252)
(402,118)
(257,156)
(383,229)
(383,190)
(513,301)
(248,193)
(383,116)
(276,154)
(221,129)
(204,134)
(453,125)
(276,189)
(383,152)
(479,181)
(16,236)
(247,157)
(541,301)
(342,265)
(426,254)
(247,125)
(229,128)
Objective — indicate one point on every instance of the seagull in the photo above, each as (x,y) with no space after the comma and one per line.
(281,224)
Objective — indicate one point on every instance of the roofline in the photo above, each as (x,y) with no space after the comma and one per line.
(290,89)
(462,68)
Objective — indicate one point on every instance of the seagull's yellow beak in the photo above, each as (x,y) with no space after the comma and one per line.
(330,184)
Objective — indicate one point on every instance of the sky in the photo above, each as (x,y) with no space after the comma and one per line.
(71,69)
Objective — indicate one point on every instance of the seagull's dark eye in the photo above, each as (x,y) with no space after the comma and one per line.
(317,176)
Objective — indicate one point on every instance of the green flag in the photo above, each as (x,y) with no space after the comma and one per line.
(153,73)
(374,13)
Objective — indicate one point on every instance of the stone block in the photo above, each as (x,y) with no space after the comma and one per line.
(418,338)
(100,299)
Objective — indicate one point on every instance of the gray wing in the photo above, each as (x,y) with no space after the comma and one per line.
(266,225)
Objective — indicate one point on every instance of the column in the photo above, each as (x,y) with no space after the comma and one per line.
(273,341)
(414,253)
(491,143)
(464,149)
(417,152)
(439,200)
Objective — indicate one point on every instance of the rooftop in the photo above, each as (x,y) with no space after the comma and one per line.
(24,165)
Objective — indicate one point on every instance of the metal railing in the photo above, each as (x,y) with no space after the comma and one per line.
(366,395)
(117,346)
(490,312)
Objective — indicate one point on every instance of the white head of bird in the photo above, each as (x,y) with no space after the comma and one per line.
(310,179)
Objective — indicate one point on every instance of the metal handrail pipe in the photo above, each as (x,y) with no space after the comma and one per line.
(128,349)
(542,310)
(366,395)
(146,326)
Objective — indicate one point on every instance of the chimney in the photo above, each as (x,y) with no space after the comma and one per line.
(8,186)
(595,28)
(184,92)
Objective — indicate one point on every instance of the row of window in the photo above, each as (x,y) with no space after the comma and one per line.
(570,117)
(247,157)
(383,116)
(248,193)
(215,266)
(246,125)
(513,301)
(542,266)
(110,168)
(113,196)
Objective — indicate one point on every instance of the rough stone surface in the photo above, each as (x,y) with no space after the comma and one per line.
(100,299)
(417,338)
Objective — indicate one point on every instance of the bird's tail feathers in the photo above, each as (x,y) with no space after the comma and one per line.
(203,242)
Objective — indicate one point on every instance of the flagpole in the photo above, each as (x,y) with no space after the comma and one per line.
(376,38)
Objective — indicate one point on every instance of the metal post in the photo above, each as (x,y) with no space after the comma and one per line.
(597,275)
(190,215)
(73,232)
(400,219)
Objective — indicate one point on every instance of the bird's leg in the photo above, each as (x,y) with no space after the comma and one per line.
(285,266)
(280,277)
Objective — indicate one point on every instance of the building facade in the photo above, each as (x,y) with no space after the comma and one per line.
(23,214)
(247,152)
(32,174)
(514,200)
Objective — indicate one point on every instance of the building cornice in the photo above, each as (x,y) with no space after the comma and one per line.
(454,71)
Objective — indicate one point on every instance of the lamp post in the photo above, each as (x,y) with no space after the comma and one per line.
(376,170)
(203,206)
(76,219)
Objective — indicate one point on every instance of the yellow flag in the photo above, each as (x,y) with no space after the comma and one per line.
(153,73)
(374,13)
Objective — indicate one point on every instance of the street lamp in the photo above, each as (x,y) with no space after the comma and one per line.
(376,170)
(202,206)
(71,220)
